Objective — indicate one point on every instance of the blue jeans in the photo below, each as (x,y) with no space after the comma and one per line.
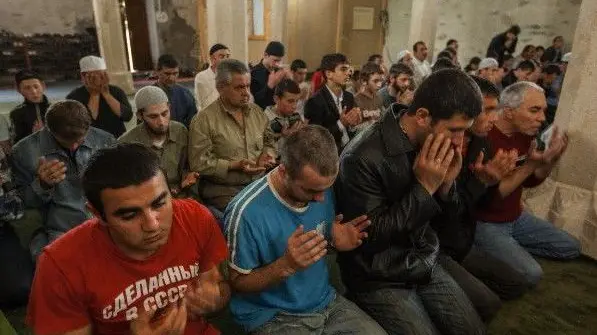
(514,242)
(439,307)
(340,317)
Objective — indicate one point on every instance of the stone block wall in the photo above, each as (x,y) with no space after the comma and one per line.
(474,22)
(46,17)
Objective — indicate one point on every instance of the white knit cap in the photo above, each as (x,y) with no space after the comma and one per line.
(92,63)
(150,95)
(566,57)
(402,54)
(487,63)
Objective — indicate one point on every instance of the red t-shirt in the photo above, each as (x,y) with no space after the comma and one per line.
(508,209)
(83,278)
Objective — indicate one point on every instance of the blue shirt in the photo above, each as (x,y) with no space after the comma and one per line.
(182,103)
(258,224)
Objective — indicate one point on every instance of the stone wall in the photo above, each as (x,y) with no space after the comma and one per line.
(474,22)
(43,16)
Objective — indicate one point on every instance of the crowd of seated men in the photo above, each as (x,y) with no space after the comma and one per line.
(232,199)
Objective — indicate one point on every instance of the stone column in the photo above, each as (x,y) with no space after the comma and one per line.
(108,23)
(568,197)
(227,24)
(423,23)
(398,34)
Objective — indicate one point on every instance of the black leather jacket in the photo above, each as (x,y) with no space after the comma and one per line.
(376,178)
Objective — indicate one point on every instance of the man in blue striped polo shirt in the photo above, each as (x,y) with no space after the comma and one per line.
(279,229)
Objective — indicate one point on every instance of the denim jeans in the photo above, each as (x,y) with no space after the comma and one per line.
(485,301)
(341,317)
(497,275)
(439,307)
(514,242)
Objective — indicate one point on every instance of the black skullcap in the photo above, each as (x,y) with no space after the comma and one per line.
(275,48)
(217,47)
(26,74)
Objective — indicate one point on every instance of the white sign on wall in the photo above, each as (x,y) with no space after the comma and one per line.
(362,18)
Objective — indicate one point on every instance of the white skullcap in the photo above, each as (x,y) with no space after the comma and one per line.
(566,57)
(487,63)
(92,63)
(150,95)
(402,54)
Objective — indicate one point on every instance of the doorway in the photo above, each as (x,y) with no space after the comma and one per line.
(135,21)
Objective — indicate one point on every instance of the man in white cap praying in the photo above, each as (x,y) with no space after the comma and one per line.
(489,69)
(108,104)
(166,137)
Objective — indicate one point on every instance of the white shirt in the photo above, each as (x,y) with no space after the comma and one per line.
(205,88)
(338,103)
(421,70)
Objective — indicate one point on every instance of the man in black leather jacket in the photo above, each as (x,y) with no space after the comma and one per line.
(483,278)
(401,172)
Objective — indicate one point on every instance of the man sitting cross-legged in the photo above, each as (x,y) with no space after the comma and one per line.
(145,265)
(278,231)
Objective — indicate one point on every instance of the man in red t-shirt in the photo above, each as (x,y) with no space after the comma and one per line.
(147,264)
(504,229)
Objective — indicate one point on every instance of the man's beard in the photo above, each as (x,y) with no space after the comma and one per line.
(400,90)
(158,132)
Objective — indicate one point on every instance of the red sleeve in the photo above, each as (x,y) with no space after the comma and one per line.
(55,305)
(212,245)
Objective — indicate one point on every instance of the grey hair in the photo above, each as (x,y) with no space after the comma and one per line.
(312,145)
(227,68)
(513,95)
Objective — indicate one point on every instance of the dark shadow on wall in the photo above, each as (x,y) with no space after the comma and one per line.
(179,38)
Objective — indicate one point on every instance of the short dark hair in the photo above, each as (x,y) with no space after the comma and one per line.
(104,170)
(298,64)
(416,45)
(275,48)
(451,51)
(167,61)
(526,65)
(68,119)
(528,47)
(373,57)
(559,37)
(488,89)
(475,60)
(330,61)
(400,68)
(539,47)
(515,29)
(450,41)
(286,85)
(25,75)
(312,145)
(445,54)
(552,69)
(217,47)
(447,93)
(368,70)
(442,63)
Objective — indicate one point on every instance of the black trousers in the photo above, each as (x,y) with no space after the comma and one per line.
(16,268)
